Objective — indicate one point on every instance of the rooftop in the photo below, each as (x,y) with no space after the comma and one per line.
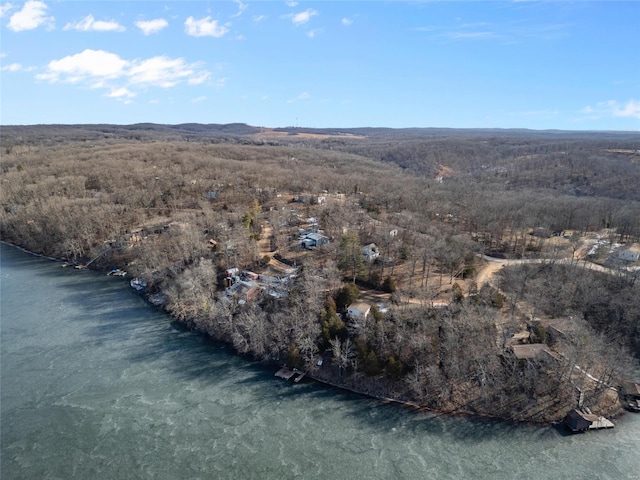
(531,351)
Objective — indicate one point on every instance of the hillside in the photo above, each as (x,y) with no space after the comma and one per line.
(255,236)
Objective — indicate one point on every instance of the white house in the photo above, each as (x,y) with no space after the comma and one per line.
(358,310)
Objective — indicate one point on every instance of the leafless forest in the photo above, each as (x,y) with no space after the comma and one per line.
(497,267)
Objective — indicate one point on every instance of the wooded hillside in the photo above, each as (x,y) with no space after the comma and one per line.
(264,238)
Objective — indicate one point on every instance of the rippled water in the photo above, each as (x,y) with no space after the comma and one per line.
(96,384)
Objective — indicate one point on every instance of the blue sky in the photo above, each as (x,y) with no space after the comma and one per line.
(517,64)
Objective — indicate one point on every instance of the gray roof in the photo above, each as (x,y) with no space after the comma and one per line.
(315,236)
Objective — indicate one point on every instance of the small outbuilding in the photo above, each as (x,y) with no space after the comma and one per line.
(577,421)
(358,310)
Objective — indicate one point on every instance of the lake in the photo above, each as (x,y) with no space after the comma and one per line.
(97,384)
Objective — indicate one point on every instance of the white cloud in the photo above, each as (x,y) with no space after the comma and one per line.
(302,96)
(502,31)
(205,27)
(258,18)
(291,4)
(121,92)
(90,64)
(162,72)
(4,9)
(303,17)
(313,33)
(151,26)
(346,21)
(241,8)
(199,78)
(198,99)
(14,67)
(612,108)
(122,78)
(90,24)
(32,15)
(630,109)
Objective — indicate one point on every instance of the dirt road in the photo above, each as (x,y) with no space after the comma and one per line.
(493,265)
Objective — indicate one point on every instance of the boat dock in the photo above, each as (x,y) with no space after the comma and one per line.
(286,374)
(600,423)
(582,420)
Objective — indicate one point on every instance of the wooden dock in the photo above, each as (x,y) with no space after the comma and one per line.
(582,420)
(287,374)
(600,423)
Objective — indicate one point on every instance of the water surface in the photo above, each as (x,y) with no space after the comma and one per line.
(97,384)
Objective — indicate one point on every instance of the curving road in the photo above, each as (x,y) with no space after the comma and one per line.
(495,264)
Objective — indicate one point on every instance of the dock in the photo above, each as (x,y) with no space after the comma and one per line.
(287,374)
(600,423)
(583,420)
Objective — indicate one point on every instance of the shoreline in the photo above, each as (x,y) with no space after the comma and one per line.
(39,255)
(418,408)
(414,406)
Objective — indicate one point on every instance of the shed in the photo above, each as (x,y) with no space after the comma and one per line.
(358,310)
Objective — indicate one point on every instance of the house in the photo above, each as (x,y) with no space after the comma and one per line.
(371,252)
(232,272)
(629,254)
(577,421)
(358,310)
(533,351)
(243,290)
(541,232)
(313,240)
